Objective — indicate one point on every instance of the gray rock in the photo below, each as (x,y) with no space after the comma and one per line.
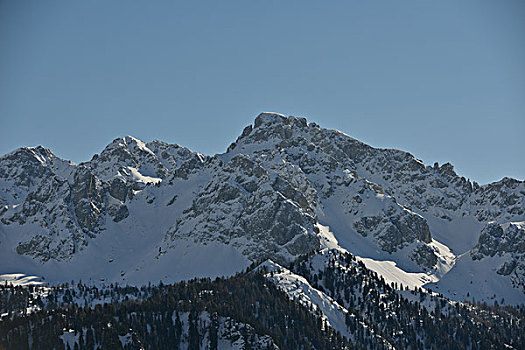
(423,255)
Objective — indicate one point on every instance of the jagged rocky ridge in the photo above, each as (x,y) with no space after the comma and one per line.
(268,196)
(507,241)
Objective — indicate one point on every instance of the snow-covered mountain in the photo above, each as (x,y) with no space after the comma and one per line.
(141,212)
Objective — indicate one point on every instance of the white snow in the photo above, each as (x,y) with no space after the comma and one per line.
(298,288)
(137,176)
(477,279)
(69,337)
(392,273)
(19,279)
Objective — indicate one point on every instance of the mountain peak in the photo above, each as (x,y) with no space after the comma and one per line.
(267,118)
(126,142)
(38,153)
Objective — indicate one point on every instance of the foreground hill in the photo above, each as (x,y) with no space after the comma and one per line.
(339,305)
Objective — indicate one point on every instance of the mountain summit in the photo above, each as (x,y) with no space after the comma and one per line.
(140,212)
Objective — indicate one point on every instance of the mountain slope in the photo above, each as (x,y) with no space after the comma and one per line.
(141,212)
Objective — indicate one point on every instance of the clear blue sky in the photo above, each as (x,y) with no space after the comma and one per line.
(444,80)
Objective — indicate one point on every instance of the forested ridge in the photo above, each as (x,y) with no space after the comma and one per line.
(155,321)
(249,311)
(404,318)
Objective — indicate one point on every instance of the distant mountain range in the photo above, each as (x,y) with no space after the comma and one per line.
(145,212)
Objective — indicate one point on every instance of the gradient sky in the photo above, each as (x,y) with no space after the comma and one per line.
(444,80)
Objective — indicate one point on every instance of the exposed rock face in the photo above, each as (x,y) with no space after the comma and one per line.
(87,197)
(48,206)
(251,208)
(23,170)
(500,239)
(396,231)
(508,242)
(71,203)
(119,189)
(501,201)
(425,256)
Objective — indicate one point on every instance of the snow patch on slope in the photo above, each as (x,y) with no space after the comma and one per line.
(298,288)
(389,269)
